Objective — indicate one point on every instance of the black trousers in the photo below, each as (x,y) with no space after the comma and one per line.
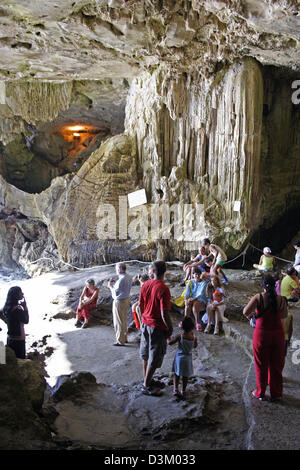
(18,345)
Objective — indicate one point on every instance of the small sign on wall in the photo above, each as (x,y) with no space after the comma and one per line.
(237,206)
(137,198)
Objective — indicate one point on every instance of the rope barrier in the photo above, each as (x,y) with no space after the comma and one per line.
(243,254)
(277,257)
(93,267)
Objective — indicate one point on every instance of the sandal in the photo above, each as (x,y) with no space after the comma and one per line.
(176,393)
(199,327)
(151,392)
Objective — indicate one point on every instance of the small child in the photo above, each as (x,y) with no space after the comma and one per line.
(136,311)
(183,363)
(216,307)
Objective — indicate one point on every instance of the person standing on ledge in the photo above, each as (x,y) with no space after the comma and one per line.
(120,291)
(268,339)
(16,315)
(155,304)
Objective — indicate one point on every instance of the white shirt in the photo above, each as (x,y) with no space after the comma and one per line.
(121,289)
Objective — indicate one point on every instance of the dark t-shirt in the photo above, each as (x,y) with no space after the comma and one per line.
(154,297)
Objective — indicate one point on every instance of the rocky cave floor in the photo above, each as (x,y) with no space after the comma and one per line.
(93,398)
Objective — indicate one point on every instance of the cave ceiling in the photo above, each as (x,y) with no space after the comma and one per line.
(68,62)
(97,39)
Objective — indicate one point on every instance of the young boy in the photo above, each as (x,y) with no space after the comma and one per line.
(219,258)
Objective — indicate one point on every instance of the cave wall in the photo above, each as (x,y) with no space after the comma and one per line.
(188,139)
(210,131)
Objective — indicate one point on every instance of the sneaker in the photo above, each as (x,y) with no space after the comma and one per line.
(257,398)
(207,329)
(199,327)
(225,282)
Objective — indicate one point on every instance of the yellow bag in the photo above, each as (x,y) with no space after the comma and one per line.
(179,301)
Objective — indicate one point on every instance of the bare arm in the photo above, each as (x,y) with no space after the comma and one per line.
(167,321)
(173,340)
(95,294)
(82,294)
(284,307)
(251,306)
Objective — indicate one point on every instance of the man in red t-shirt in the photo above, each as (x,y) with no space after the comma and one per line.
(156,326)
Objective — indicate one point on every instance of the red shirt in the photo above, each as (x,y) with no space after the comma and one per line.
(154,297)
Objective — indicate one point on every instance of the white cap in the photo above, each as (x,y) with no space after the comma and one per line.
(267,250)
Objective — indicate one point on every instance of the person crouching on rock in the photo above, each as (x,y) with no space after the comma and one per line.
(87,302)
(16,315)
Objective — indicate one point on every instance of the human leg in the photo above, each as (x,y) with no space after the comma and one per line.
(79,316)
(261,354)
(120,308)
(184,384)
(210,312)
(276,364)
(152,350)
(199,309)
(18,346)
(187,308)
(176,380)
(217,320)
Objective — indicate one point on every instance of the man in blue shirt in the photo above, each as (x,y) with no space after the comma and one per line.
(120,291)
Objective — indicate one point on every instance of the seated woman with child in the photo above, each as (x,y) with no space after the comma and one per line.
(195,296)
(216,305)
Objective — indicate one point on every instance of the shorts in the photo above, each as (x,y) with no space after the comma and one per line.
(220,263)
(153,345)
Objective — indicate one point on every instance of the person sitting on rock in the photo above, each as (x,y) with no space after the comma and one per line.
(290,286)
(87,302)
(195,296)
(216,306)
(266,262)
(198,261)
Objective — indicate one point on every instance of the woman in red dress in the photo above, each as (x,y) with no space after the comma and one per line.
(87,302)
(268,339)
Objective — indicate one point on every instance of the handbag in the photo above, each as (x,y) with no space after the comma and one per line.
(179,301)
